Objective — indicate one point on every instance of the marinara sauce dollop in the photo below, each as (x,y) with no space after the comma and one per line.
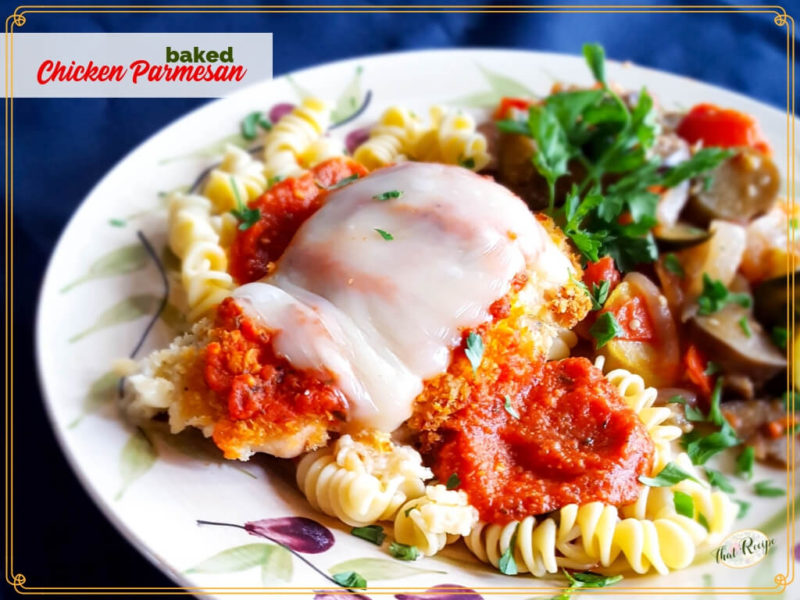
(556,434)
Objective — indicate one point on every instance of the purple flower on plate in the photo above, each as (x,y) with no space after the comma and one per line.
(297,533)
(797,552)
(445,591)
(355,138)
(322,595)
(280,110)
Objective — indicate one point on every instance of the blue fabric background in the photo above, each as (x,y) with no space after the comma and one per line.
(62,147)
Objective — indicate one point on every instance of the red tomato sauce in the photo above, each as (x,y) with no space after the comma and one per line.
(575,441)
(284,208)
(245,373)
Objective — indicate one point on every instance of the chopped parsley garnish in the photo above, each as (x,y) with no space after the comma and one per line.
(715,295)
(766,489)
(743,508)
(510,409)
(403,552)
(252,122)
(605,329)
(711,368)
(385,234)
(718,480)
(779,337)
(790,400)
(387,195)
(673,265)
(744,324)
(611,211)
(701,447)
(669,475)
(507,564)
(684,505)
(339,184)
(692,413)
(116,222)
(371,533)
(247,216)
(467,163)
(599,294)
(350,579)
(453,482)
(474,350)
(745,462)
(714,412)
(276,179)
(409,509)
(586,579)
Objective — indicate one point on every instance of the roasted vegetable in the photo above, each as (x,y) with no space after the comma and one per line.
(741,188)
(679,237)
(771,298)
(516,171)
(673,150)
(737,343)
(648,343)
(719,257)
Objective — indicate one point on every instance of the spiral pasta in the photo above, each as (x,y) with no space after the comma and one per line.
(238,176)
(391,140)
(434,520)
(362,481)
(194,238)
(648,534)
(640,399)
(452,139)
(293,135)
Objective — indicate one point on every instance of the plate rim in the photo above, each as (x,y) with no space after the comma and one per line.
(48,396)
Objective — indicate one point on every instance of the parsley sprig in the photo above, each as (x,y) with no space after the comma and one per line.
(715,296)
(247,216)
(611,211)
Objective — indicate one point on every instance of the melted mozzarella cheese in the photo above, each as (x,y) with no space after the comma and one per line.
(377,317)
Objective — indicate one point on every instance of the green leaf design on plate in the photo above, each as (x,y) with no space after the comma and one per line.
(504,85)
(137,456)
(275,561)
(500,85)
(117,262)
(123,311)
(233,559)
(277,565)
(102,391)
(302,93)
(349,100)
(375,569)
(173,317)
(214,149)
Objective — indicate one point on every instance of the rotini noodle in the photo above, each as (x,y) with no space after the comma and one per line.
(238,174)
(452,139)
(361,482)
(434,520)
(194,239)
(292,135)
(391,140)
(640,399)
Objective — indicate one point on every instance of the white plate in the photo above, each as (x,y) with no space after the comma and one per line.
(155,489)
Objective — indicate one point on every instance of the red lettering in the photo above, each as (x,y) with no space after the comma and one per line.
(139,68)
(45,67)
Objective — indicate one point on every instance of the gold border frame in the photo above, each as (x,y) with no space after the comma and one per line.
(18,19)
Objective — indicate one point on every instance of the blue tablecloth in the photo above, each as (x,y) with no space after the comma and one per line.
(62,147)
